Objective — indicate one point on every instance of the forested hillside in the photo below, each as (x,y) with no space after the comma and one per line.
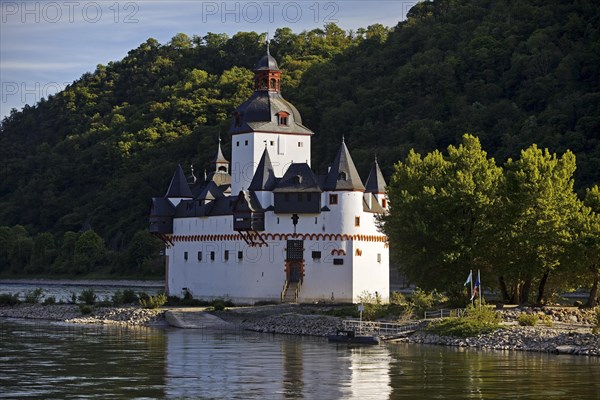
(511,73)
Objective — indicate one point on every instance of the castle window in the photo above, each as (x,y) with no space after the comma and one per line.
(297,179)
(384,203)
(226,255)
(316,255)
(379,257)
(282,118)
(199,256)
(356,221)
(245,143)
(237,144)
(338,261)
(185,255)
(316,219)
(342,176)
(333,199)
(272,143)
(212,256)
(222,169)
(300,144)
(273,83)
(240,255)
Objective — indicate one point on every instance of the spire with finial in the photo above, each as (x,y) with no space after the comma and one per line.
(266,72)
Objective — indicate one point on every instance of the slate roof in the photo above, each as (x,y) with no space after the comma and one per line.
(267,62)
(247,201)
(298,178)
(179,186)
(259,113)
(375,206)
(161,207)
(343,174)
(375,182)
(264,177)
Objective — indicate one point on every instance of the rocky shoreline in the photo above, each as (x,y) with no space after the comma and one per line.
(569,333)
(70,313)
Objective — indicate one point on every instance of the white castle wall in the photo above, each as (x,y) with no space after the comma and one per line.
(260,275)
(283,151)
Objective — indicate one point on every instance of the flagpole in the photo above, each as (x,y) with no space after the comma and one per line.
(480,288)
(472,298)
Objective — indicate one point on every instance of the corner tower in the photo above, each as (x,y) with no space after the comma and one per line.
(266,119)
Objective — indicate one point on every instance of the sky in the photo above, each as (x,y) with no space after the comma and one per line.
(46,45)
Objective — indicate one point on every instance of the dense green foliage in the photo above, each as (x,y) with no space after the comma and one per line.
(521,225)
(511,73)
(475,321)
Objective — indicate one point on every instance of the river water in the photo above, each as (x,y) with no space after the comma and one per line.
(53,360)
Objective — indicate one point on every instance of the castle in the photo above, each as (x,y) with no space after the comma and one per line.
(265,227)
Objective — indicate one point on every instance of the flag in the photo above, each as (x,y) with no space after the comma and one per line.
(476,287)
(469,278)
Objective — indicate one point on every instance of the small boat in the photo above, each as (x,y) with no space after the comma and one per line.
(351,338)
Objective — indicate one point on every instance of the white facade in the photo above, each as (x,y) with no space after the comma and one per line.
(247,148)
(245,246)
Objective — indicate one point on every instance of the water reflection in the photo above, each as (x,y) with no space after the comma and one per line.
(247,365)
(66,361)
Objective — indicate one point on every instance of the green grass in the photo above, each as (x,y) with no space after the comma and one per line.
(476,321)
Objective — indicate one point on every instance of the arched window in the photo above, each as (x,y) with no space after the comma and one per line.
(273,83)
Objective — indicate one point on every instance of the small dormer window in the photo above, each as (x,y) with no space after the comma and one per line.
(282,118)
(297,179)
(342,176)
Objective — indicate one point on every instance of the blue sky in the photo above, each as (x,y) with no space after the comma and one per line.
(45,45)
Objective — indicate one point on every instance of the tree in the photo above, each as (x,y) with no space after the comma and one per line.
(538,204)
(441,215)
(141,252)
(588,242)
(89,252)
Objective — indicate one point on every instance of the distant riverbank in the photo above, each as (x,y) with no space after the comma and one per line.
(85,282)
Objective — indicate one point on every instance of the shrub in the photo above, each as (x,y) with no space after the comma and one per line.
(154,301)
(218,305)
(9,299)
(373,309)
(398,298)
(50,300)
(475,321)
(33,296)
(86,308)
(88,296)
(424,301)
(528,319)
(596,329)
(126,296)
(73,298)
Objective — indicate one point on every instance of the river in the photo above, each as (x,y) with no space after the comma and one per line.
(54,360)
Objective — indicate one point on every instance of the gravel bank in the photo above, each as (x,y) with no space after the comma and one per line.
(124,316)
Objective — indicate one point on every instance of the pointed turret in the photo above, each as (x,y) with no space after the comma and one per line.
(179,188)
(343,174)
(264,177)
(219,162)
(375,182)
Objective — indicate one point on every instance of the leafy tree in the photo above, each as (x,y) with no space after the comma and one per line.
(89,252)
(142,253)
(538,204)
(442,208)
